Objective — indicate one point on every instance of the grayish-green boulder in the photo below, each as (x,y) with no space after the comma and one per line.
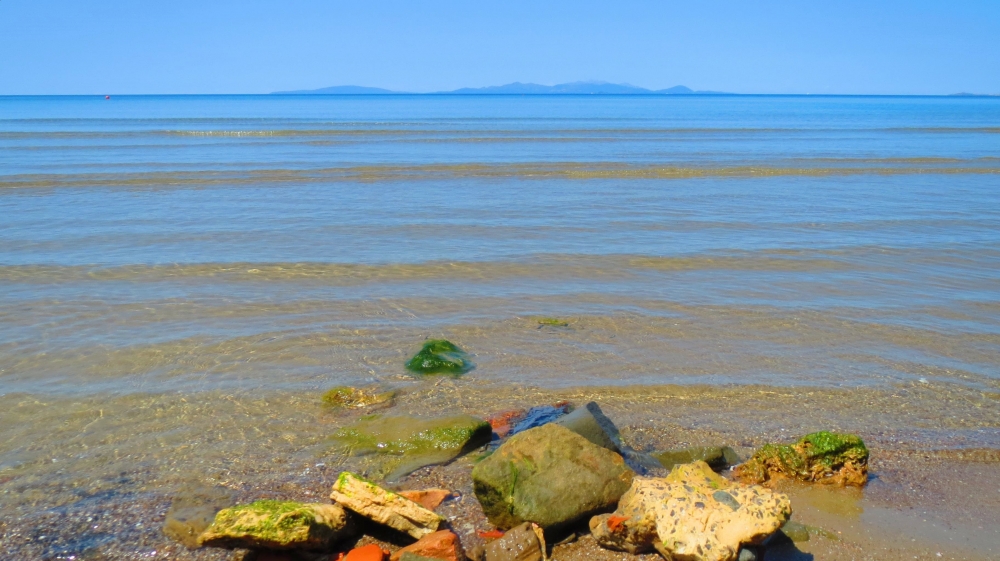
(394,446)
(717,457)
(551,476)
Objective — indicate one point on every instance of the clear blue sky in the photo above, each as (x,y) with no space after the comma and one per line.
(253,46)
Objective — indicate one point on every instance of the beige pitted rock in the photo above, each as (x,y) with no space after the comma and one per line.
(278,525)
(692,514)
(383,506)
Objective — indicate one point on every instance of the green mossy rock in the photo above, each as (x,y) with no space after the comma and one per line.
(398,445)
(551,476)
(820,457)
(278,525)
(346,396)
(717,457)
(439,356)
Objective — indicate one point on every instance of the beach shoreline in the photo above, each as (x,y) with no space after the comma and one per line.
(97,474)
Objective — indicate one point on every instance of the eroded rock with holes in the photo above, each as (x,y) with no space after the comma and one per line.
(693,514)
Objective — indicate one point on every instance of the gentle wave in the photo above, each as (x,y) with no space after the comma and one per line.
(566,170)
(421,129)
(562,266)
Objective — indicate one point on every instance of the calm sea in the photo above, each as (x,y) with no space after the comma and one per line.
(188,243)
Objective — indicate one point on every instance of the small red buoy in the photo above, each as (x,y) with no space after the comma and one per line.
(107,97)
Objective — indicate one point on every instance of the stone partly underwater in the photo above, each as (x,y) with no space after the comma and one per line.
(394,446)
(820,457)
(439,356)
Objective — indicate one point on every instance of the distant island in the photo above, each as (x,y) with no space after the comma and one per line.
(516,88)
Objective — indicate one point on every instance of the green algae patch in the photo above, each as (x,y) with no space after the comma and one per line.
(552,322)
(820,457)
(440,356)
(398,445)
(348,397)
(271,524)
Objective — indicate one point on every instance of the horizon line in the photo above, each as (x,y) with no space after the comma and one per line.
(453,94)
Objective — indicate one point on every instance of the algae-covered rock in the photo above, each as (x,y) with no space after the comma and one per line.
(439,356)
(551,476)
(692,514)
(717,457)
(383,506)
(821,457)
(398,445)
(346,396)
(278,525)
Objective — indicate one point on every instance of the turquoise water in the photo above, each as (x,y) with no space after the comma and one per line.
(200,242)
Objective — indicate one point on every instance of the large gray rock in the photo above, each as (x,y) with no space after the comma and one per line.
(551,476)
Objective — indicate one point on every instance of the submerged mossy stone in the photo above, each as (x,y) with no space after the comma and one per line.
(192,513)
(346,396)
(398,445)
(551,476)
(278,525)
(717,457)
(439,356)
(820,457)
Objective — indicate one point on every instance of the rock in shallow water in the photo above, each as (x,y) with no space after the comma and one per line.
(551,476)
(820,457)
(383,506)
(439,356)
(278,525)
(691,515)
(346,396)
(192,513)
(400,445)
(717,457)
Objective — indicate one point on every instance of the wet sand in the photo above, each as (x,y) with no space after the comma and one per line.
(92,478)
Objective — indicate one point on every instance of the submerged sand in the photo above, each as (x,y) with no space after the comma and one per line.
(93,478)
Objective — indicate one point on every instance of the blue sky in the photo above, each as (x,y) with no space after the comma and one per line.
(251,46)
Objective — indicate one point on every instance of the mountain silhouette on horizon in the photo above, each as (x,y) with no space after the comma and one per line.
(516,88)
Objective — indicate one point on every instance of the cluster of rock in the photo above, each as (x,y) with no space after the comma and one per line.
(548,471)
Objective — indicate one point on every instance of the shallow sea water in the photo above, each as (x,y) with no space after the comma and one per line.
(181,276)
